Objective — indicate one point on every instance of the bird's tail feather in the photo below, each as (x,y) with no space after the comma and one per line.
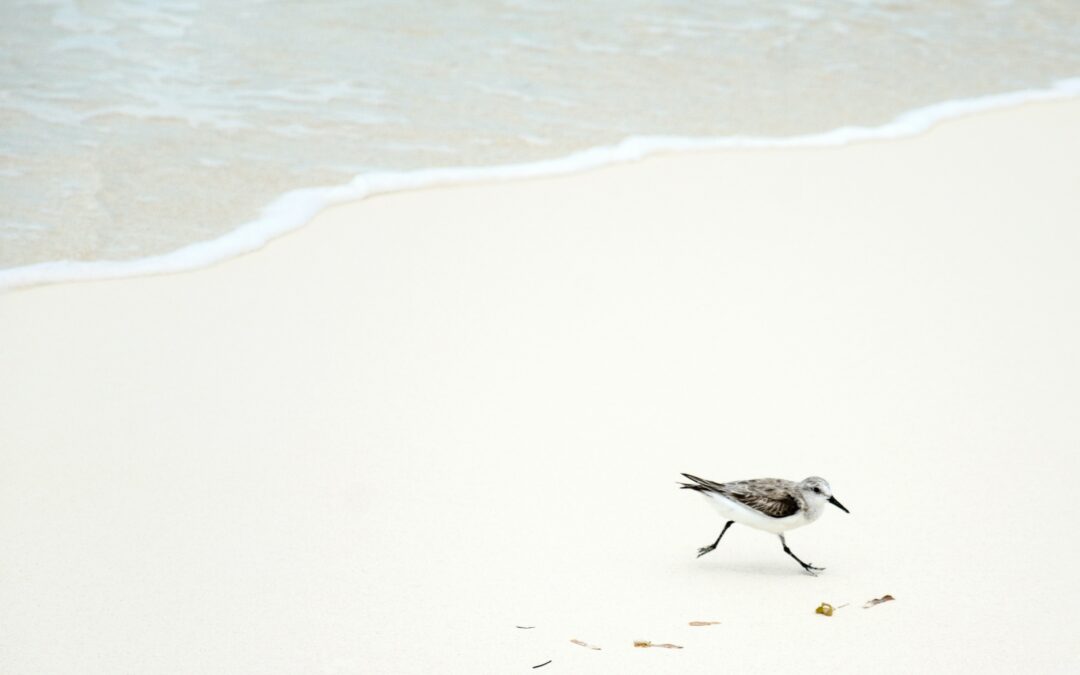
(699,484)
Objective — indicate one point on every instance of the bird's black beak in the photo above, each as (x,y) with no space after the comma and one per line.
(832,500)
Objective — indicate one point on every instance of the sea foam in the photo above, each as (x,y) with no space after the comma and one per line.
(294,209)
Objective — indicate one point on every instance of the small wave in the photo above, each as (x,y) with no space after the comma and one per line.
(294,209)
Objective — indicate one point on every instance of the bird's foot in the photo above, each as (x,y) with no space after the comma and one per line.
(704,550)
(813,571)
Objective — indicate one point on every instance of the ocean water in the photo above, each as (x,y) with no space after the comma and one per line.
(145,136)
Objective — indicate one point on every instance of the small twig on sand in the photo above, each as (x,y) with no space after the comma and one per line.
(704,623)
(585,644)
(877,601)
(542,664)
(646,643)
(525,627)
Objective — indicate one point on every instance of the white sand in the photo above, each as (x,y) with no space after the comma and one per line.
(379,444)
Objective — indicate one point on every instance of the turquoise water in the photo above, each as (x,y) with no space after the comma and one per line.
(132,129)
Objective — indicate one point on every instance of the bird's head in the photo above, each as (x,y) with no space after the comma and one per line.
(817,491)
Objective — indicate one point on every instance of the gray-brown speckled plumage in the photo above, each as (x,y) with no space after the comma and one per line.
(774,497)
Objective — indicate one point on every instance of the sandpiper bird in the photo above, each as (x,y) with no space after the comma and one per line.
(769,504)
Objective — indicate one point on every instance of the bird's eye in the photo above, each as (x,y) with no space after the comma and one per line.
(817,490)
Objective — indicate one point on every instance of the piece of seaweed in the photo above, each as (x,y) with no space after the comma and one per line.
(824,608)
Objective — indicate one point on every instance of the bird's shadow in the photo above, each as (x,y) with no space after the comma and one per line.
(747,568)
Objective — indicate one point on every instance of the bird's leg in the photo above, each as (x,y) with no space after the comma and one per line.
(703,551)
(809,568)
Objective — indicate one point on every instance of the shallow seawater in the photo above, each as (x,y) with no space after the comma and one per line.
(129,129)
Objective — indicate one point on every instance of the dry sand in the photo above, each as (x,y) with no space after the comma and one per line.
(379,444)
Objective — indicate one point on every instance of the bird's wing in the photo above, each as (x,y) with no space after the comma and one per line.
(771,496)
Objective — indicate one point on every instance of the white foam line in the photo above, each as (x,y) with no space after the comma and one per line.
(294,209)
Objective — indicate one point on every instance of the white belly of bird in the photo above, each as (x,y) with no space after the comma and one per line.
(744,515)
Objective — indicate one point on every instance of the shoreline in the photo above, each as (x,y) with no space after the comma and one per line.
(296,209)
(428,418)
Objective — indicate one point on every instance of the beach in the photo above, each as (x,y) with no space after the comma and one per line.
(384,441)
